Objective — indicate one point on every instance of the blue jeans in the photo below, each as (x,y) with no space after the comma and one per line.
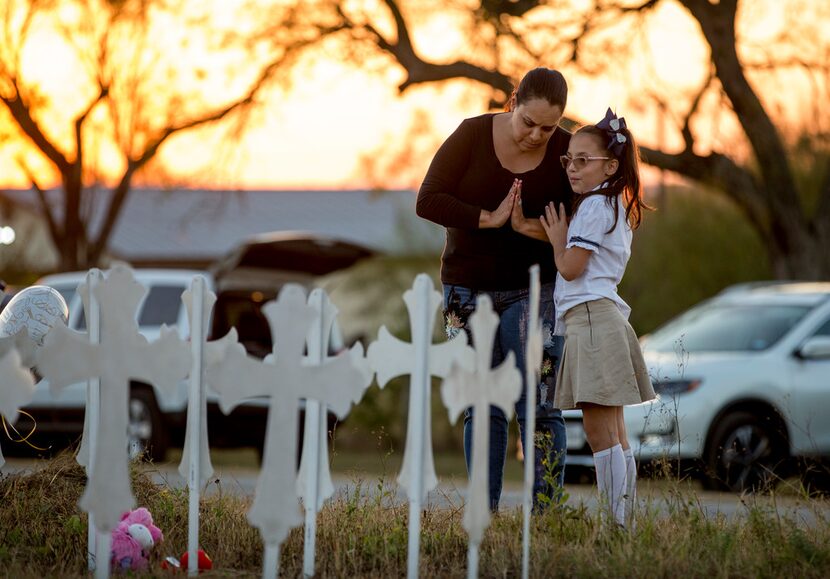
(513,308)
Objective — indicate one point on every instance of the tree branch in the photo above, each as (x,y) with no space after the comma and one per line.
(45,209)
(404,43)
(495,9)
(686,130)
(717,22)
(601,14)
(78,165)
(122,190)
(23,117)
(427,72)
(644,7)
(719,172)
(790,62)
(418,70)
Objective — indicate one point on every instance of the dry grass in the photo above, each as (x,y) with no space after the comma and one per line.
(364,534)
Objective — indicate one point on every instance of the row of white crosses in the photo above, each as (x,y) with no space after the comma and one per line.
(113,353)
(287,376)
(421,359)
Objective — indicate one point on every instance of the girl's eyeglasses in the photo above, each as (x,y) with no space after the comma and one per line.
(579,162)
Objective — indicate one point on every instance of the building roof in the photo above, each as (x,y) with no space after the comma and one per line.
(187,225)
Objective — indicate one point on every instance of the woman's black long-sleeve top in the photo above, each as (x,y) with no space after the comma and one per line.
(465,176)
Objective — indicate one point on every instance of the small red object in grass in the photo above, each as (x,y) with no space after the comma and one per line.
(205,562)
(170,564)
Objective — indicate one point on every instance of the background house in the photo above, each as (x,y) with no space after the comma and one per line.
(193,228)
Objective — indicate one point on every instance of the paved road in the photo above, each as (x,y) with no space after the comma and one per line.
(658,495)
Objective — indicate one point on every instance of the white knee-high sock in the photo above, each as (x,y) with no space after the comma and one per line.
(630,483)
(611,479)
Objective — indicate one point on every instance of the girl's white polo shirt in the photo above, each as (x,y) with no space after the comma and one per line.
(589,229)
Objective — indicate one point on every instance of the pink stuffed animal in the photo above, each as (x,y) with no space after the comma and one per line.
(133,539)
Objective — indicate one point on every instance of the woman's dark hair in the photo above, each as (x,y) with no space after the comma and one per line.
(541,83)
(626,180)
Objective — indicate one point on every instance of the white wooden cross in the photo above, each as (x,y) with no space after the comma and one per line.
(285,377)
(533,366)
(16,384)
(92,311)
(123,355)
(19,341)
(24,323)
(314,483)
(195,465)
(391,357)
(96,541)
(481,388)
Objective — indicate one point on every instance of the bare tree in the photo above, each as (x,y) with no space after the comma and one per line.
(761,169)
(137,84)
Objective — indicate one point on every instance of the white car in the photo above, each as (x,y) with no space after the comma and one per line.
(156,418)
(743,384)
(244,281)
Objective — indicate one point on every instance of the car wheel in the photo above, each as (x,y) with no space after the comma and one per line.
(146,435)
(746,453)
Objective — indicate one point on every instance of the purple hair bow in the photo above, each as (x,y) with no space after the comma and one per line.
(612,127)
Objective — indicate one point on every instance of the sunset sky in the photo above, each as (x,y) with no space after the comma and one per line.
(315,135)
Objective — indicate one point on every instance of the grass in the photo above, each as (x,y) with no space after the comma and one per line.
(363,533)
(352,462)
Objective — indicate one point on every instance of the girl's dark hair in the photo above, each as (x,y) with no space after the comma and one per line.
(540,83)
(626,180)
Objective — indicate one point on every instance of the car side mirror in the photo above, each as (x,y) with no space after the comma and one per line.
(815,348)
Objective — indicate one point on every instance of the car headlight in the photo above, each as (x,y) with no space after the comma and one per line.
(676,387)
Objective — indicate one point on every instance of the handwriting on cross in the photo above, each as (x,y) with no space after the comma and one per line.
(17,385)
(28,317)
(285,378)
(482,388)
(122,355)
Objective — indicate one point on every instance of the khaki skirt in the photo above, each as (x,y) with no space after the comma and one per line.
(602,362)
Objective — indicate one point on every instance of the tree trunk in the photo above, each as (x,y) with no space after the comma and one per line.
(799,254)
(70,233)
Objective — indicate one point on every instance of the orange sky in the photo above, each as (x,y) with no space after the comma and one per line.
(314,136)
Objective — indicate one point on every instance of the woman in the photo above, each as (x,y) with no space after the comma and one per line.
(488,185)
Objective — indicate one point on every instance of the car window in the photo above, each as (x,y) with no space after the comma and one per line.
(67,293)
(161,306)
(80,321)
(716,327)
(824,330)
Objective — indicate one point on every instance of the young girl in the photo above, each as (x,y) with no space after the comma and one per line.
(602,366)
